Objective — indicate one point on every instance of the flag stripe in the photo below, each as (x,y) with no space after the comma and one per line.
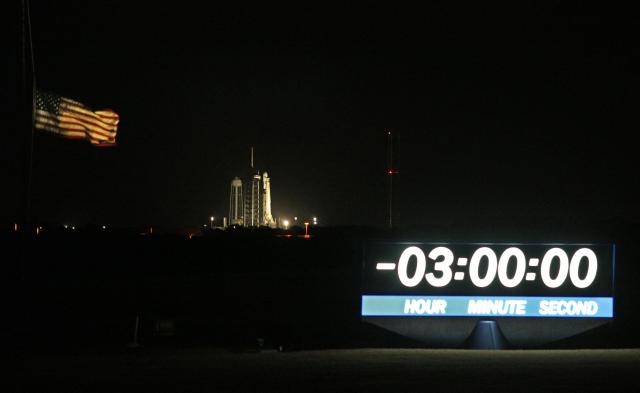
(71,132)
(56,130)
(97,127)
(99,123)
(71,105)
(107,113)
(93,133)
(80,116)
(63,131)
(71,119)
(108,123)
(73,125)
(75,135)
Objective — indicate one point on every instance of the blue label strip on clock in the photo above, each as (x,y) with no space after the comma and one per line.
(487,306)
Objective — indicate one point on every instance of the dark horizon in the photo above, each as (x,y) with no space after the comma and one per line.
(518,114)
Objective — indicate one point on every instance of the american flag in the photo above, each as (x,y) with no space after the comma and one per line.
(71,119)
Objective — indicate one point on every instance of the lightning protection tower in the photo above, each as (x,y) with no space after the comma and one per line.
(236,203)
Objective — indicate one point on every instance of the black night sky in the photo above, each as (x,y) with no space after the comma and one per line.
(520,113)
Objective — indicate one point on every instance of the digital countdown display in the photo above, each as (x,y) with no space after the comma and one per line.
(488,280)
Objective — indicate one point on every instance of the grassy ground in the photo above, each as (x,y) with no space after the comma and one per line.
(367,370)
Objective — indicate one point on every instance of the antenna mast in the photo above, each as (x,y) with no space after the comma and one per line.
(390,173)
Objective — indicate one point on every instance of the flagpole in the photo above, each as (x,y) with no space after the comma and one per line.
(25,158)
(28,103)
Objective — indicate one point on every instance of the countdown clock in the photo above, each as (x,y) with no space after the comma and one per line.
(498,280)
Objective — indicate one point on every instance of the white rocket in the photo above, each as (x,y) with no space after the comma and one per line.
(267,218)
